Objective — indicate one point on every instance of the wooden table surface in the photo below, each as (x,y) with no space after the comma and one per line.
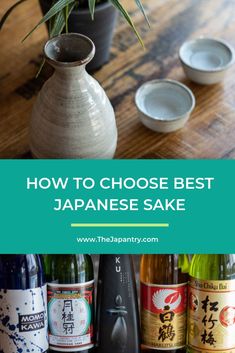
(210,133)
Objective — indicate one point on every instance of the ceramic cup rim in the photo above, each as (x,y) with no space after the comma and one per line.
(171,82)
(80,62)
(214,40)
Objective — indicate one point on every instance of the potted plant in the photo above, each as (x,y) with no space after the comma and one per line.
(93,18)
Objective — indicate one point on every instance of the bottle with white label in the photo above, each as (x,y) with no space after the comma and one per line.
(164,284)
(70,294)
(23,305)
(211,312)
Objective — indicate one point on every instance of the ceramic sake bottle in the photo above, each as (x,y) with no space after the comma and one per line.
(72,116)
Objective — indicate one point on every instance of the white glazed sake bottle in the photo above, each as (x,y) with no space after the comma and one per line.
(72,116)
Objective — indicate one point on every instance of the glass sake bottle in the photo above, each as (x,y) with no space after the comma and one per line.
(118,327)
(23,309)
(211,313)
(164,282)
(70,302)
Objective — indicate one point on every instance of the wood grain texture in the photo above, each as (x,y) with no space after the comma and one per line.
(210,133)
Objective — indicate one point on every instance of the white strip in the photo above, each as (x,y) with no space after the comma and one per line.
(163,349)
(69,349)
(72,285)
(165,285)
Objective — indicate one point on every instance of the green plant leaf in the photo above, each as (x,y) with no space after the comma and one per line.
(66,19)
(60,21)
(57,7)
(92,8)
(141,7)
(125,14)
(40,67)
(58,26)
(9,11)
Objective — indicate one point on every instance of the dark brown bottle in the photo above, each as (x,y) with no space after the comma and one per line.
(164,284)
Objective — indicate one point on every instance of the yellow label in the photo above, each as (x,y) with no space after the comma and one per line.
(211,322)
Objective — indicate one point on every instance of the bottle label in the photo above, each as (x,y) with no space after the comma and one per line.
(23,320)
(70,316)
(212,316)
(164,315)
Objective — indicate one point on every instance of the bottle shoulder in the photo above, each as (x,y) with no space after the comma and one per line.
(164,269)
(68,269)
(21,271)
(213,267)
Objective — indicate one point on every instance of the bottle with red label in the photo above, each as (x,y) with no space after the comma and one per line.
(70,295)
(164,284)
(211,314)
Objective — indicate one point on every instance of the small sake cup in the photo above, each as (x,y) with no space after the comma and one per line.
(206,60)
(164,105)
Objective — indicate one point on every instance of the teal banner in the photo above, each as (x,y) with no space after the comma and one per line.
(117,206)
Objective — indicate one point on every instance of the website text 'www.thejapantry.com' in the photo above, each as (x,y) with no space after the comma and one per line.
(117,240)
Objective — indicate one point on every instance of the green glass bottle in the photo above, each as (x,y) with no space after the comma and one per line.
(211,314)
(70,302)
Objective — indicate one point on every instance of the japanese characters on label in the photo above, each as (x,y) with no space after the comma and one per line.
(212,315)
(164,315)
(70,315)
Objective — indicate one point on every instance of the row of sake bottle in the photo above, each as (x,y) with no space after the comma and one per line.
(59,315)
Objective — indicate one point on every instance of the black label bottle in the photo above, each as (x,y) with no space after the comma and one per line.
(118,328)
(70,303)
(23,308)
(211,314)
(164,284)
